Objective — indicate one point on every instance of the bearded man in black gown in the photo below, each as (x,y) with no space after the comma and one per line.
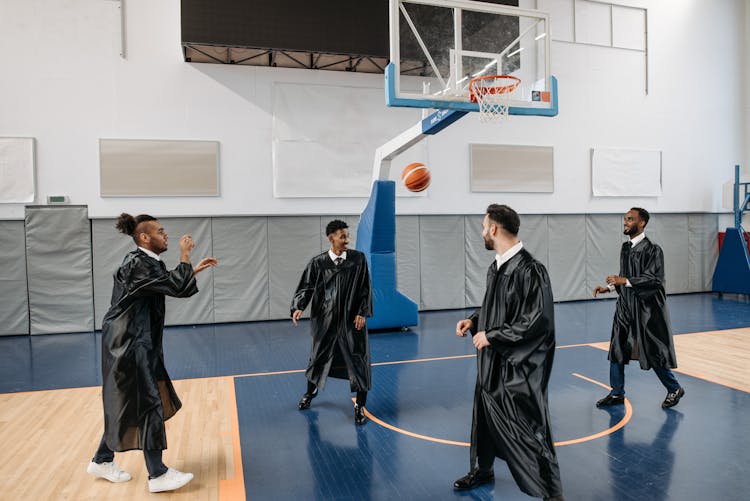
(640,330)
(514,334)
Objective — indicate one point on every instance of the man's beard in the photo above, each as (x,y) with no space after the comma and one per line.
(488,244)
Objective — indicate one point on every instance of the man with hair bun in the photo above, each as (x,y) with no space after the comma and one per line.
(338,283)
(514,334)
(137,393)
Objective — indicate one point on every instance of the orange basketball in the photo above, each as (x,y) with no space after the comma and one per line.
(416,177)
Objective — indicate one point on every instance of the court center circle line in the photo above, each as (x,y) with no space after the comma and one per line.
(625,419)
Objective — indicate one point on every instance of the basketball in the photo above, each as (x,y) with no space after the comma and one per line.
(416,177)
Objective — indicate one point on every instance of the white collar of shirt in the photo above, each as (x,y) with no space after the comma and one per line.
(334,257)
(150,253)
(501,260)
(636,240)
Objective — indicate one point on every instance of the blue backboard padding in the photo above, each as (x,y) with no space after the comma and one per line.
(732,273)
(376,237)
(440,120)
(392,100)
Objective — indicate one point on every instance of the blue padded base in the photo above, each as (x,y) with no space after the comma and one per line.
(376,237)
(732,273)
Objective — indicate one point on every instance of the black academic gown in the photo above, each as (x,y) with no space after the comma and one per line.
(640,330)
(338,294)
(137,392)
(511,416)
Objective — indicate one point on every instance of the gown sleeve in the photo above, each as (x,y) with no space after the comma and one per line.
(305,289)
(365,293)
(474,321)
(651,276)
(148,280)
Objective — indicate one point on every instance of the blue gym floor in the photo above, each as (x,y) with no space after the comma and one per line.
(423,383)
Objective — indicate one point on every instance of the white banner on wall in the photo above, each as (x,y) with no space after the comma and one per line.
(617,172)
(324,139)
(17,170)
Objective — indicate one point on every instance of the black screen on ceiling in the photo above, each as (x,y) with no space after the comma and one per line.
(356,27)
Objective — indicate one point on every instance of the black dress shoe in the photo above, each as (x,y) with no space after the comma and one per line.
(611,400)
(359,414)
(673,398)
(474,478)
(306,400)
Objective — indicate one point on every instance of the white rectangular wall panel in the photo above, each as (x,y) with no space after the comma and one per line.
(16,170)
(150,168)
(512,168)
(628,27)
(593,22)
(324,138)
(617,172)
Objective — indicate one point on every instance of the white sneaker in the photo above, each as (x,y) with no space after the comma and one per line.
(170,481)
(110,471)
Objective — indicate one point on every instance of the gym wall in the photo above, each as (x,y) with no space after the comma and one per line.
(441,262)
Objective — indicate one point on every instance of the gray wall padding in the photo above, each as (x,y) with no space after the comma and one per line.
(407,257)
(109,247)
(478,260)
(198,309)
(14,302)
(442,262)
(703,250)
(604,240)
(670,231)
(241,278)
(292,242)
(58,253)
(567,256)
(534,234)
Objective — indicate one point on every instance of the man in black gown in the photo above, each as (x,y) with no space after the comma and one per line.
(640,330)
(137,393)
(514,333)
(338,283)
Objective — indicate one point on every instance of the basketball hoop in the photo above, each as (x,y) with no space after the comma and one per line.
(492,93)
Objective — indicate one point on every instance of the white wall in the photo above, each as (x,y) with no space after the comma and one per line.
(63,82)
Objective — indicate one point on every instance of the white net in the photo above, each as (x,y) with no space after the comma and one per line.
(493,95)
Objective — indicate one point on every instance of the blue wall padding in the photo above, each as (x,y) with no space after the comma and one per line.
(376,237)
(732,273)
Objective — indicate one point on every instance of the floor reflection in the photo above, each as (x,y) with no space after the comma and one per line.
(642,470)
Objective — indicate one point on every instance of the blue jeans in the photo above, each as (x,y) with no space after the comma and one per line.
(154,464)
(617,378)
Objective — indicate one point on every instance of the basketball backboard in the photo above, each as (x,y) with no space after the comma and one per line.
(439,46)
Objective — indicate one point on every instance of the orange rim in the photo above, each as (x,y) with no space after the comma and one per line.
(493,89)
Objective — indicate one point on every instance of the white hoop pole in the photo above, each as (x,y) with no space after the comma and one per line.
(431,125)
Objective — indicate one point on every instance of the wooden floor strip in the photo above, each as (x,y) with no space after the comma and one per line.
(48,437)
(721,357)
